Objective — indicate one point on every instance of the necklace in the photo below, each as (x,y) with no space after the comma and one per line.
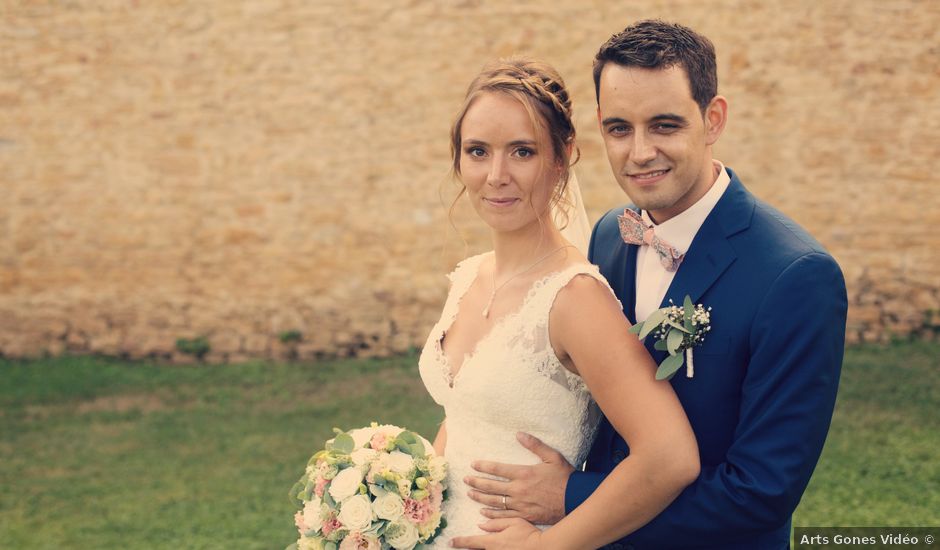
(486,310)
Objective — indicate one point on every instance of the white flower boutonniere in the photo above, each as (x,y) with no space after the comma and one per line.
(679,329)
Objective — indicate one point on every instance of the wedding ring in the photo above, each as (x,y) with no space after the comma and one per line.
(505,506)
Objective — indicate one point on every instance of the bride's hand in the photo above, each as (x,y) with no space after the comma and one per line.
(535,493)
(505,534)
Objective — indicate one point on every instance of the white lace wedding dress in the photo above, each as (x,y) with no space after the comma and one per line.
(512,381)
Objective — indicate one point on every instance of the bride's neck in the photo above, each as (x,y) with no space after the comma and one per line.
(517,250)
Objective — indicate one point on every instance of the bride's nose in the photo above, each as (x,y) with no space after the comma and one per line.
(499,172)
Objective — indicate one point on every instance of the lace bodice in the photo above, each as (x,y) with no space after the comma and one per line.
(512,381)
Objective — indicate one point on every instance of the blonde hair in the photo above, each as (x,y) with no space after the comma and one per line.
(542,92)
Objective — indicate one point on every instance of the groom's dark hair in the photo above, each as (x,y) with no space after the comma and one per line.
(655,44)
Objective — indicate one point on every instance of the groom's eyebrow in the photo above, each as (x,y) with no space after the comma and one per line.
(669,117)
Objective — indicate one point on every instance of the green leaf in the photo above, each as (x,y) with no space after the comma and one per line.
(635,329)
(652,322)
(673,341)
(688,307)
(295,491)
(660,345)
(327,498)
(330,545)
(675,325)
(669,367)
(344,443)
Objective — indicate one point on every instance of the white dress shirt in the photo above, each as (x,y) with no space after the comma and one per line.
(652,279)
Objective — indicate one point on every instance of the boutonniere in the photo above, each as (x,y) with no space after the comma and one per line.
(679,329)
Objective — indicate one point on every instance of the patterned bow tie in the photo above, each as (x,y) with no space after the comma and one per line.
(634,231)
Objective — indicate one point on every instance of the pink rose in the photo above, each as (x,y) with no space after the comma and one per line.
(418,511)
(379,441)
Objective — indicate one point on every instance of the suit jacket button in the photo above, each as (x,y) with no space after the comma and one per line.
(618,458)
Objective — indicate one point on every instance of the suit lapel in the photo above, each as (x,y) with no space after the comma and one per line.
(710,253)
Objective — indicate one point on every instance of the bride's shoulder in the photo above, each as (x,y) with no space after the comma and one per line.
(468,266)
(582,281)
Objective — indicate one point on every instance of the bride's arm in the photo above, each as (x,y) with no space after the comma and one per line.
(440,441)
(588,327)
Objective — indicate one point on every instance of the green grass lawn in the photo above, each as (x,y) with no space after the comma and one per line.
(98,453)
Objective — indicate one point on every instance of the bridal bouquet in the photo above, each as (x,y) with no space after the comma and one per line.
(372,488)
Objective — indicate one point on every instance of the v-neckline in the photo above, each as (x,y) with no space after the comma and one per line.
(447,370)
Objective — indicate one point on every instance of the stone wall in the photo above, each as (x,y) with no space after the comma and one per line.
(240,169)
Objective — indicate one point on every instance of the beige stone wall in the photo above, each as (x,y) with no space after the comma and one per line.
(237,169)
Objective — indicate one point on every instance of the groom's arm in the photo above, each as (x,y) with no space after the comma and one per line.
(788,396)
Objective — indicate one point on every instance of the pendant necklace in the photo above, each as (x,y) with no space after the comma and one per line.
(486,310)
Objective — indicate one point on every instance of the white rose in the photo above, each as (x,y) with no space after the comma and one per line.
(400,463)
(312,514)
(361,457)
(401,535)
(390,507)
(345,484)
(356,513)
(438,468)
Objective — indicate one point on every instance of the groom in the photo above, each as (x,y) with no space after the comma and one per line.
(764,384)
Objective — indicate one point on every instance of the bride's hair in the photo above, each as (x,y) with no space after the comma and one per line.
(542,92)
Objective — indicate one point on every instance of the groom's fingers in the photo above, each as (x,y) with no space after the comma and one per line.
(498,469)
(498,513)
(540,449)
(493,501)
(487,485)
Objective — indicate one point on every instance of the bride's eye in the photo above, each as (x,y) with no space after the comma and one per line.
(525,152)
(474,151)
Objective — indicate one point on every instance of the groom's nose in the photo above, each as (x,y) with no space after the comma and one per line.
(643,150)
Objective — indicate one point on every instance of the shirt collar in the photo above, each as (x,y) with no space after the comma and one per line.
(681,229)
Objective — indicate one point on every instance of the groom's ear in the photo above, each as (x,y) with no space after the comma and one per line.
(599,119)
(716,116)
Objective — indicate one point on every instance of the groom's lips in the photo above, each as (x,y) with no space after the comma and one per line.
(650,177)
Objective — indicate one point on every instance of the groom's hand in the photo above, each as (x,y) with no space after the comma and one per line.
(534,493)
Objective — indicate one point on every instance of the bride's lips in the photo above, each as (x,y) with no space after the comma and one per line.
(649,177)
(500,202)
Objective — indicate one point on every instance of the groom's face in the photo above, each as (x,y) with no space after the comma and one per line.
(658,141)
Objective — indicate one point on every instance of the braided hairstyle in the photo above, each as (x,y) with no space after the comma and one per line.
(542,92)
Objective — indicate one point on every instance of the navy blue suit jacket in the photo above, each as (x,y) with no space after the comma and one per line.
(765,381)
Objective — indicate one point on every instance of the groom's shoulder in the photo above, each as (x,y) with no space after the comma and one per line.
(609,222)
(782,242)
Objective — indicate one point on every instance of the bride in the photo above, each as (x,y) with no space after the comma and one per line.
(532,338)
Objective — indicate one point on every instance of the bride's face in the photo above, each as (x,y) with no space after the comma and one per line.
(506,164)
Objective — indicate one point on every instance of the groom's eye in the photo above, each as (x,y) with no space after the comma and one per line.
(618,130)
(666,128)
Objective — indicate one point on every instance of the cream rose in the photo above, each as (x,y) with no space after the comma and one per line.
(345,484)
(361,457)
(400,463)
(356,513)
(401,535)
(390,507)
